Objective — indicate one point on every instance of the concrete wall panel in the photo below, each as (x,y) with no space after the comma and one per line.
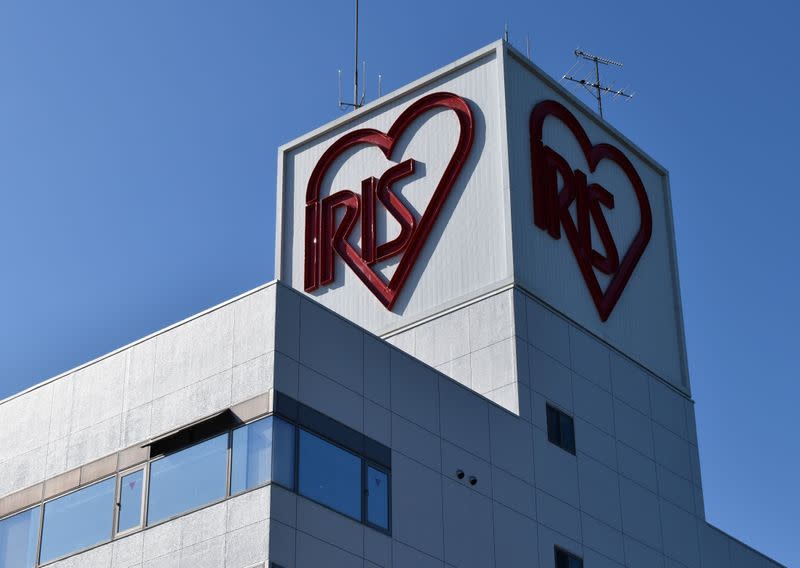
(630,496)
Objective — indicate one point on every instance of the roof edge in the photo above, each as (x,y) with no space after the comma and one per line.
(140,340)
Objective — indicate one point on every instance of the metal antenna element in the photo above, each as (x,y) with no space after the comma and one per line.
(528,48)
(364,86)
(505,33)
(340,88)
(355,64)
(356,102)
(596,87)
(380,78)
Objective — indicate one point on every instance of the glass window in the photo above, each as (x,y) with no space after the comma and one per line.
(283,458)
(130,501)
(553,426)
(78,520)
(262,452)
(18,536)
(329,475)
(188,479)
(252,455)
(567,433)
(377,498)
(565,559)
(560,429)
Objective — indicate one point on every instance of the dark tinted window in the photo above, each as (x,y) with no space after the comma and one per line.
(18,536)
(377,498)
(188,479)
(329,475)
(262,452)
(283,453)
(78,520)
(130,501)
(565,559)
(560,429)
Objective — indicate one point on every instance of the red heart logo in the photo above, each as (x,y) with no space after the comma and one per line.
(551,206)
(323,236)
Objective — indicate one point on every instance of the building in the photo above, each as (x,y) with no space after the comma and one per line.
(488,369)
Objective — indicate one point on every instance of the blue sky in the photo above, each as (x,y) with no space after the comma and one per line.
(137,175)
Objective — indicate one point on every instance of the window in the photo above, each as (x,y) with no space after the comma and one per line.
(284,437)
(263,451)
(565,559)
(560,429)
(78,520)
(377,498)
(188,479)
(201,465)
(329,475)
(130,501)
(18,536)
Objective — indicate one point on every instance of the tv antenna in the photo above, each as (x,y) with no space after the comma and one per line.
(595,86)
(357,103)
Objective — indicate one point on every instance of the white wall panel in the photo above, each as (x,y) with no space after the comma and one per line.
(468,248)
(646,323)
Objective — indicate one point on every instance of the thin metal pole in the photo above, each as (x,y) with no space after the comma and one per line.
(355,65)
(597,82)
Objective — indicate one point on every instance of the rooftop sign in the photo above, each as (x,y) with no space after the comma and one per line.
(482,175)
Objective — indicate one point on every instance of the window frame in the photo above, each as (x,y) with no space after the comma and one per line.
(295,447)
(365,465)
(362,472)
(39,506)
(295,453)
(43,505)
(225,497)
(229,464)
(573,447)
(145,466)
(145,469)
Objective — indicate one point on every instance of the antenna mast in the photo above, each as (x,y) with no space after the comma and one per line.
(596,87)
(355,66)
(356,102)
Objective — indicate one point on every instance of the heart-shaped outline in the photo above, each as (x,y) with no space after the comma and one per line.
(387,293)
(546,203)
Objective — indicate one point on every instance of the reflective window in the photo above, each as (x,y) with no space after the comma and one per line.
(78,520)
(130,501)
(267,450)
(283,455)
(252,455)
(263,451)
(377,498)
(188,479)
(329,475)
(18,536)
(560,429)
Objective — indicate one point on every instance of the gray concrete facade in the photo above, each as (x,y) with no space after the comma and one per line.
(630,496)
